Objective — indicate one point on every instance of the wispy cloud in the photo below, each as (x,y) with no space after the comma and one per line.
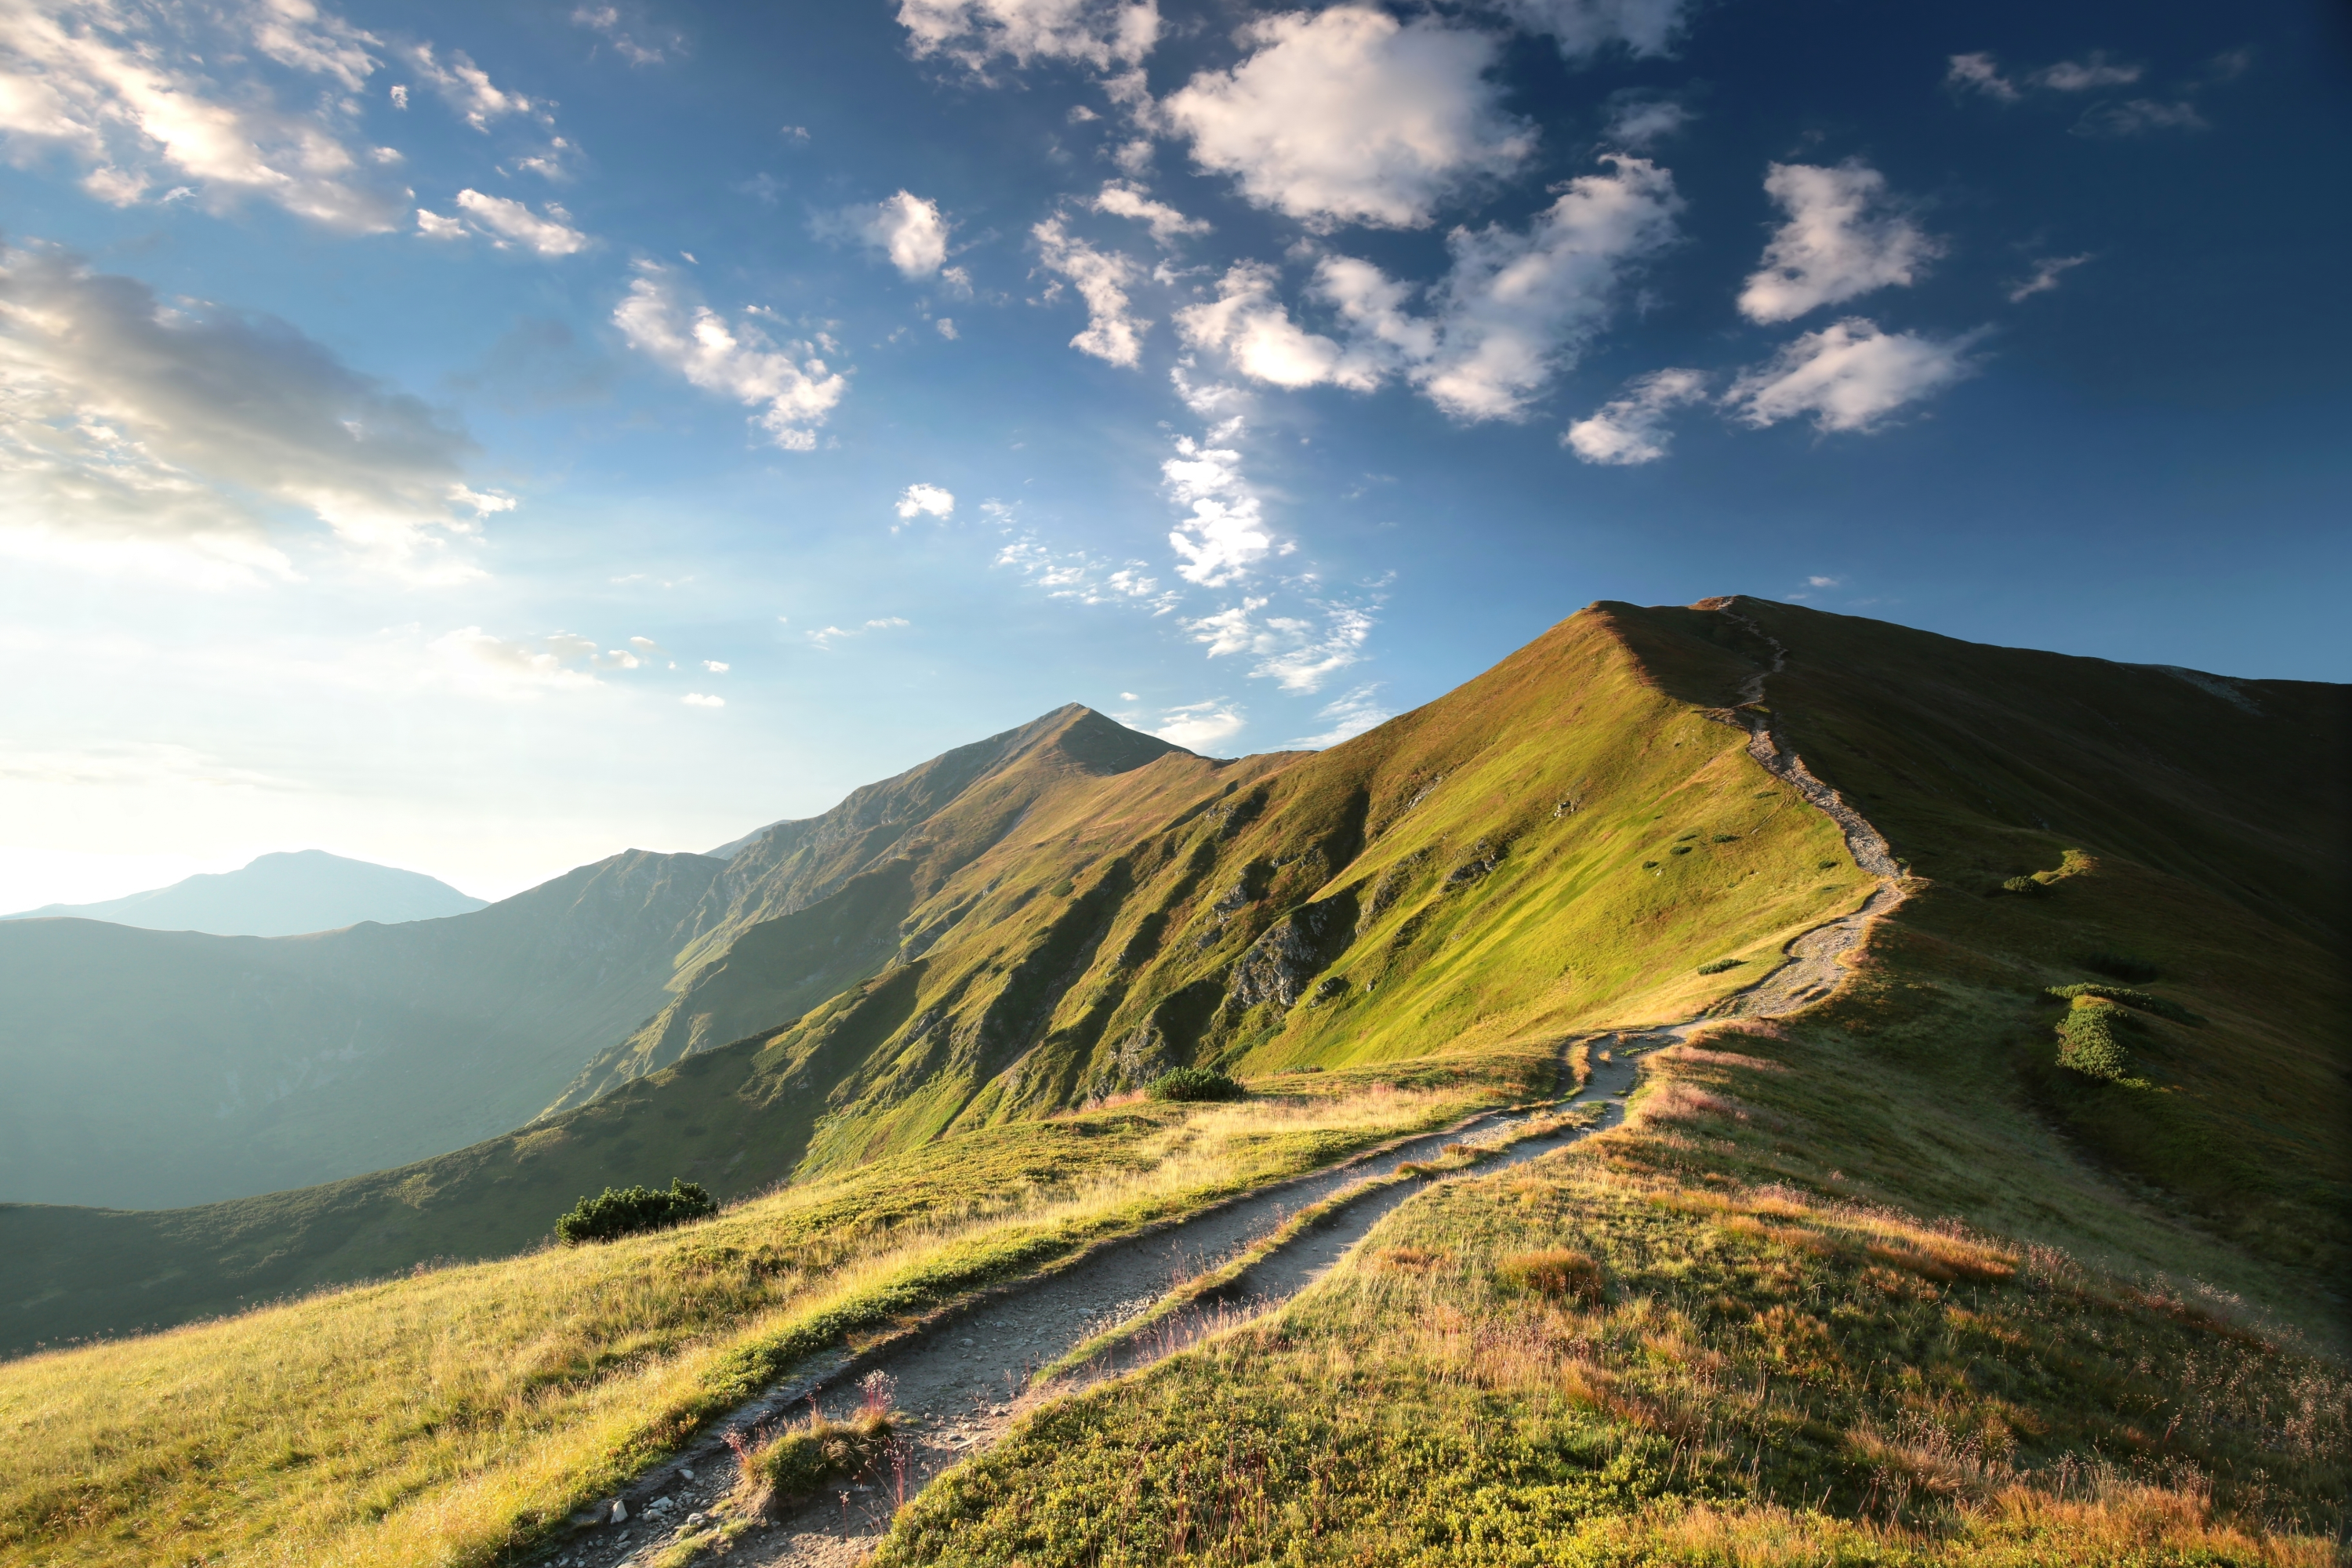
(1838,242)
(1850,376)
(2044,276)
(1350,715)
(1201,726)
(1114,333)
(827,637)
(1630,428)
(794,389)
(1299,653)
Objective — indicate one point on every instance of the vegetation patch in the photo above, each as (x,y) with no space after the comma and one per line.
(2145,1000)
(1720,965)
(617,1212)
(1196,1084)
(2090,1042)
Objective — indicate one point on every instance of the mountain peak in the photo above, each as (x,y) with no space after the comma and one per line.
(286,892)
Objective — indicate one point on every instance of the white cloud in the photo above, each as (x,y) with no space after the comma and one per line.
(1834,245)
(1250,328)
(1638,124)
(702,700)
(825,636)
(947,328)
(1515,307)
(791,385)
(1113,332)
(136,435)
(1226,533)
(468,89)
(474,660)
(606,19)
(1122,198)
(1350,716)
(716,665)
(1349,116)
(1632,429)
(1079,576)
(2046,273)
(1104,33)
(1850,375)
(1823,582)
(915,501)
(1197,726)
(1981,72)
(1585,27)
(124,91)
(907,229)
(506,220)
(1295,652)
(434,225)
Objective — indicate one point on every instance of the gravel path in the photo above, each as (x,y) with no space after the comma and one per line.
(965,1377)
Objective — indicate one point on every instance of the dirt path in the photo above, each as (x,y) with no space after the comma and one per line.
(967,1376)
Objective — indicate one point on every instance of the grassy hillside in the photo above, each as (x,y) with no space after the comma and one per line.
(1918,1276)
(449,1414)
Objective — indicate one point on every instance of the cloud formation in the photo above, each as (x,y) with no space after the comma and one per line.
(1225,534)
(1079,576)
(506,222)
(2045,276)
(1197,726)
(907,228)
(1981,72)
(1113,332)
(1514,308)
(1104,33)
(1582,28)
(1850,375)
(1350,715)
(1124,198)
(1836,244)
(125,92)
(793,388)
(1351,116)
(132,432)
(1297,653)
(1630,428)
(918,500)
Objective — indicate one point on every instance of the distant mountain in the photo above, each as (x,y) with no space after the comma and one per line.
(277,895)
(148,1070)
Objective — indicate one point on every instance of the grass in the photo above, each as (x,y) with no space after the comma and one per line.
(1623,1353)
(452,1416)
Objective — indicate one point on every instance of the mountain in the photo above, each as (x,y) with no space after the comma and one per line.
(276,895)
(1585,836)
(157,1069)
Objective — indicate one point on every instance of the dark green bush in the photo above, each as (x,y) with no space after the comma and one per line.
(2121,966)
(626,1211)
(2162,1007)
(2024,886)
(1717,965)
(787,1470)
(1196,1083)
(2089,1043)
(1680,849)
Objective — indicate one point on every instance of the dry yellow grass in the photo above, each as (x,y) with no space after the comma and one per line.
(437,1418)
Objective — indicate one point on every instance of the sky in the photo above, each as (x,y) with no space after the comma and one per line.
(480,438)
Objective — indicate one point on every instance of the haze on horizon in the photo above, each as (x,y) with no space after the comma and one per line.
(476,440)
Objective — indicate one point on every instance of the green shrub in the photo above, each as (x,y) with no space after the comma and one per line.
(1064,888)
(2024,886)
(1680,849)
(1196,1083)
(626,1211)
(790,1467)
(2121,966)
(1717,965)
(2161,1006)
(1726,839)
(2089,1042)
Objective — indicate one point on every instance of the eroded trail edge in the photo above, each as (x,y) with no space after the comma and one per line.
(970,1372)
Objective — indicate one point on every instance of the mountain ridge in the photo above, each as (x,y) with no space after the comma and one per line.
(285,893)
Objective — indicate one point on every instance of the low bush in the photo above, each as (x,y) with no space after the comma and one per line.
(1196,1083)
(1680,849)
(1556,1272)
(2122,966)
(2147,1002)
(2089,1041)
(1718,965)
(626,1211)
(791,1467)
(2024,886)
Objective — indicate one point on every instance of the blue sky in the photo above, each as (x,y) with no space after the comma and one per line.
(481,438)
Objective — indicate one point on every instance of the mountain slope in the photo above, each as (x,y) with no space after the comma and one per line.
(1580,838)
(277,895)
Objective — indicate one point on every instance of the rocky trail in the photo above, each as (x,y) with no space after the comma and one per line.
(965,1376)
